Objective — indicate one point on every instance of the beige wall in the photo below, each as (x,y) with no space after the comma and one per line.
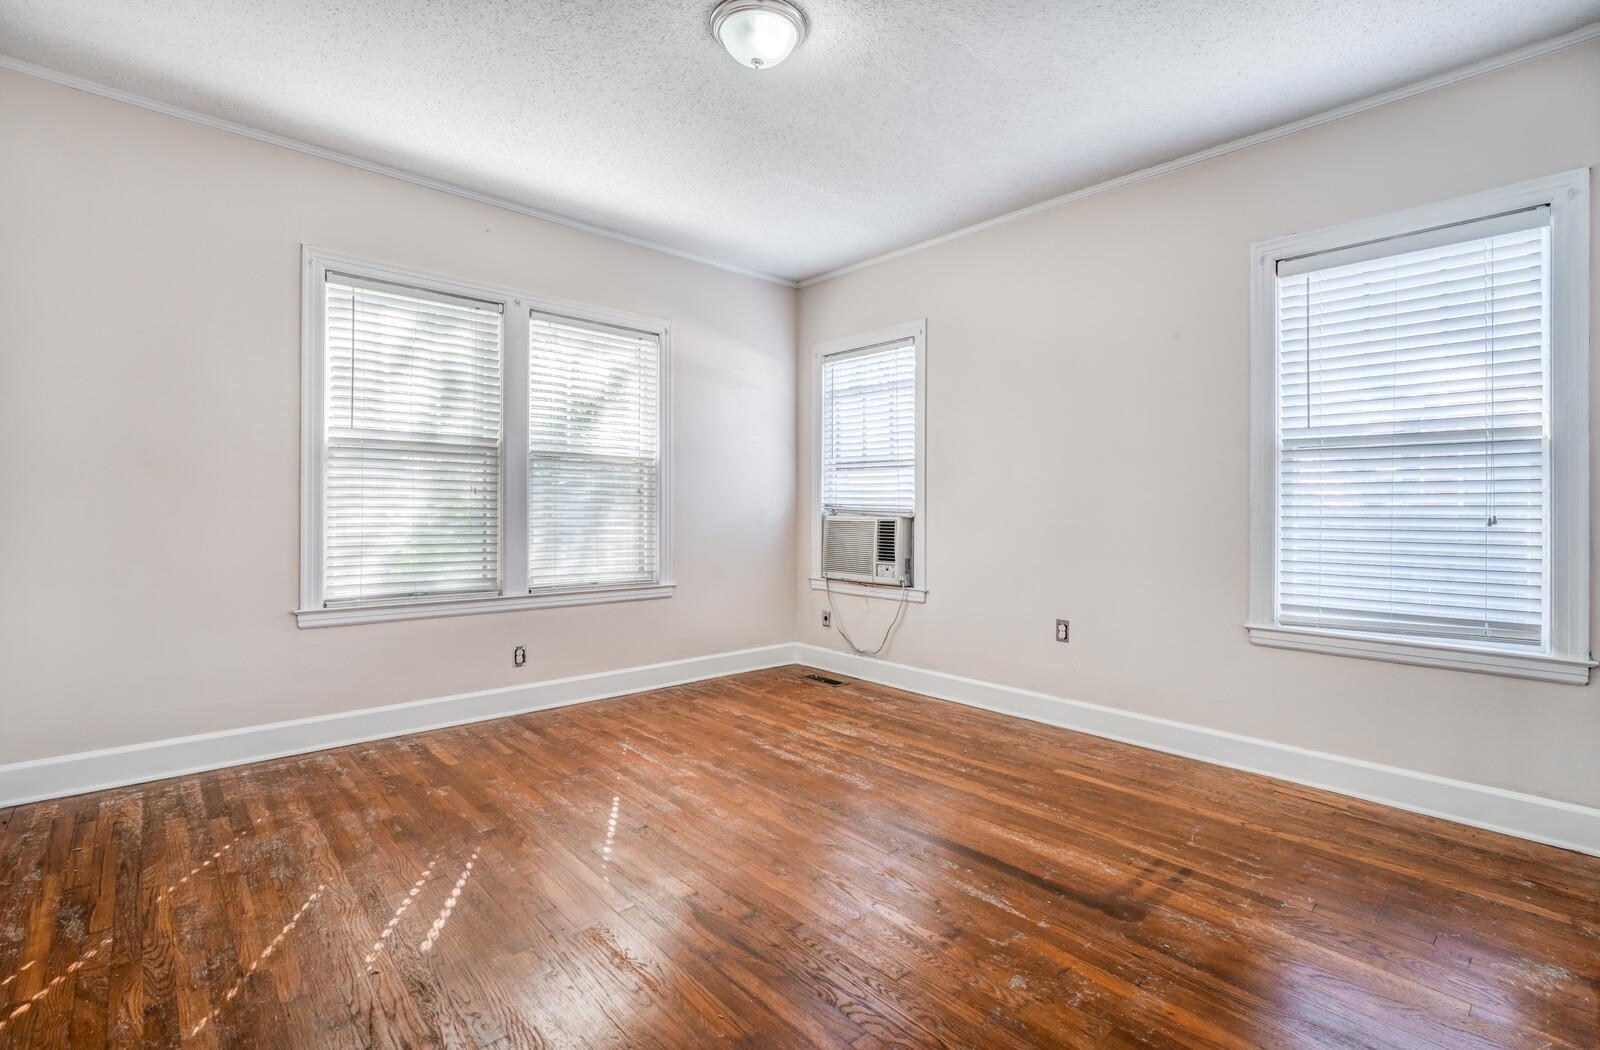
(1088,441)
(149,434)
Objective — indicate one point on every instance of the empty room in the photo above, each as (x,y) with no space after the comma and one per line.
(799,523)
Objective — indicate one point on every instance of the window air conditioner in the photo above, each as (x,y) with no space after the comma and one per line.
(863,548)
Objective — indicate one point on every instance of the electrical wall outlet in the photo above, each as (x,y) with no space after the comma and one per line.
(1063,629)
(827,618)
(519,656)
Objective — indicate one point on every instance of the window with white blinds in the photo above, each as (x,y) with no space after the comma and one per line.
(869,429)
(1420,435)
(594,454)
(468,448)
(411,496)
(1413,465)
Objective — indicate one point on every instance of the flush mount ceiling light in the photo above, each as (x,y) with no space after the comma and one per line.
(758,33)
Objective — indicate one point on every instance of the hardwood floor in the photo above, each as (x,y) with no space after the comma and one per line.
(771,862)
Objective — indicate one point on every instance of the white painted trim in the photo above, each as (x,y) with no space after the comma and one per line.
(909,595)
(160,759)
(515,306)
(427,610)
(1539,667)
(917,332)
(338,157)
(313,434)
(1531,817)
(1565,657)
(1538,50)
(893,333)
(1526,816)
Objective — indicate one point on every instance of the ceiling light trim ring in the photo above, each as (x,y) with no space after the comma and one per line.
(728,9)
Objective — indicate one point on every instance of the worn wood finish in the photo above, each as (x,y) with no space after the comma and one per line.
(766,861)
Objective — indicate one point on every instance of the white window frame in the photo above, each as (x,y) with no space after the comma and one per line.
(1566,657)
(316,263)
(917,331)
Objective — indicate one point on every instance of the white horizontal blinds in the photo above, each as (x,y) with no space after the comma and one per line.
(594,454)
(869,429)
(1413,450)
(413,444)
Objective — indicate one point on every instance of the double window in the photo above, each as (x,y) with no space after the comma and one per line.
(1422,436)
(468,448)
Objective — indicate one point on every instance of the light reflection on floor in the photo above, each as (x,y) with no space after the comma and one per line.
(263,960)
(266,954)
(611,836)
(105,942)
(47,989)
(449,906)
(394,919)
(198,868)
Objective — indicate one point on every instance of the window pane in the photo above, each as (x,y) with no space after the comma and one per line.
(594,464)
(869,433)
(413,446)
(1412,449)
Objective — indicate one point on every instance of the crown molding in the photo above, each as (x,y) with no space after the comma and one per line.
(1421,87)
(339,157)
(1443,80)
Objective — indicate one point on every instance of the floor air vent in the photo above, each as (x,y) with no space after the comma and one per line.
(824,679)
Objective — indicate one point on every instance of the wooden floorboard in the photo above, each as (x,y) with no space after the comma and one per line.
(768,861)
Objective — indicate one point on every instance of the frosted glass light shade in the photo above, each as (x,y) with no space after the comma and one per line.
(758,33)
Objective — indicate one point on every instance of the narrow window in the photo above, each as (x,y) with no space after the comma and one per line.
(870,421)
(869,431)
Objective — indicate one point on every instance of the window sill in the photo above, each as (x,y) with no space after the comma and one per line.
(913,595)
(1540,667)
(428,609)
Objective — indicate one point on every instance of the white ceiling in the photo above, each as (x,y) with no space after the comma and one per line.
(895,121)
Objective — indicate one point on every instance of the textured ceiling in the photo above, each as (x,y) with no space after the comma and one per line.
(895,121)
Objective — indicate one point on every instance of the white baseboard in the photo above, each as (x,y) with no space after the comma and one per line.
(112,767)
(1546,820)
(1534,817)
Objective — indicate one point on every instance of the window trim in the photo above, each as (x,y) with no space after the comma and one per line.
(1567,658)
(316,263)
(917,331)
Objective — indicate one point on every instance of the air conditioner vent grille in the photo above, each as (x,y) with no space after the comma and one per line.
(849,546)
(886,550)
